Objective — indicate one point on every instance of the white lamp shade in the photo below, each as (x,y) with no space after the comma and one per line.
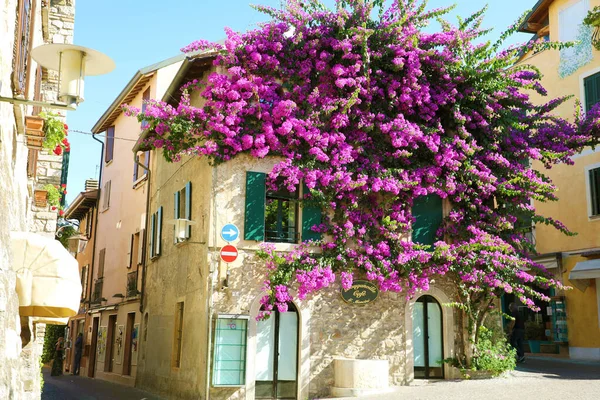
(48,283)
(73,63)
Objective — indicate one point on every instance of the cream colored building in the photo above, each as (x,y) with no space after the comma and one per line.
(200,337)
(118,259)
(571,72)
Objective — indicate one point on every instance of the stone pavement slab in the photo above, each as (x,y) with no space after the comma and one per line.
(69,387)
(537,378)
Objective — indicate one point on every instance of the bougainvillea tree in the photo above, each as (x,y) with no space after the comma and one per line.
(370,113)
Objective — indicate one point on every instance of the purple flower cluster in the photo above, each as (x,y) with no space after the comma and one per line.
(371,113)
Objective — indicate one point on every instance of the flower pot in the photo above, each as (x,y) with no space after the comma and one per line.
(40,197)
(34,123)
(35,143)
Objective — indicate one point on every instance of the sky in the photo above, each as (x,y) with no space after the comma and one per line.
(138,33)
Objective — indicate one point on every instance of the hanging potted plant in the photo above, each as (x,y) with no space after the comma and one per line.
(55,134)
(54,196)
(34,131)
(40,197)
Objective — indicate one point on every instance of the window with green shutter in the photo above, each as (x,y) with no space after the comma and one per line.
(427,211)
(311,216)
(592,91)
(281,215)
(254,221)
(594,181)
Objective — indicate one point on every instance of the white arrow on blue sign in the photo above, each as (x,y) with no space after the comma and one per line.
(230,233)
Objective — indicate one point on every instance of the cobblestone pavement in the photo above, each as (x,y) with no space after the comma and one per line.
(69,387)
(537,378)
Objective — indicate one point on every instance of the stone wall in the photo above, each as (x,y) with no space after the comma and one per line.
(21,339)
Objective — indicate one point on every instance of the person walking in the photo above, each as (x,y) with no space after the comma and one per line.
(517,329)
(78,351)
(57,364)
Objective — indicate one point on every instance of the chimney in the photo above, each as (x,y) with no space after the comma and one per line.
(91,184)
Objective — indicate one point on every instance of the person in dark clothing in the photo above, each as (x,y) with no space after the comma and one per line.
(517,328)
(78,351)
(57,364)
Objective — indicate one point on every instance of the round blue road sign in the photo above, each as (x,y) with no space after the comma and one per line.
(230,233)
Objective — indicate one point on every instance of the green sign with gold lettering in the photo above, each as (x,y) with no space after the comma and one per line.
(361,292)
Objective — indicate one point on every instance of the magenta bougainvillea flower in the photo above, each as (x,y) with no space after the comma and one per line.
(371,112)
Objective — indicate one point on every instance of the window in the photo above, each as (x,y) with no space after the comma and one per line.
(591,85)
(427,211)
(110,144)
(145,98)
(101,257)
(156,233)
(229,364)
(178,336)
(84,281)
(89,218)
(134,250)
(594,191)
(281,214)
(182,208)
(23,45)
(106,196)
(273,215)
(32,159)
(144,159)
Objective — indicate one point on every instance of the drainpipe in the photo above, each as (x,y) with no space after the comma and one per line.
(136,161)
(96,216)
(211,271)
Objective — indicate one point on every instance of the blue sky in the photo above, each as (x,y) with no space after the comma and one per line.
(137,33)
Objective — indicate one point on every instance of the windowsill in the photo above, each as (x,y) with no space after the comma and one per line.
(105,210)
(107,163)
(140,181)
(593,218)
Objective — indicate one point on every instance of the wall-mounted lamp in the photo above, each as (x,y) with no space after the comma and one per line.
(77,243)
(181,225)
(72,63)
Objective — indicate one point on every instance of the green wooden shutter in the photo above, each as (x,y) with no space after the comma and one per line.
(175,214)
(311,216)
(188,208)
(254,223)
(152,232)
(592,91)
(158,230)
(131,251)
(427,211)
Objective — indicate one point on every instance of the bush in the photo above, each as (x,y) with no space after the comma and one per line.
(493,352)
(53,332)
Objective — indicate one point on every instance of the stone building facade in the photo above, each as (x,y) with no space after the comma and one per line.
(191,295)
(24,24)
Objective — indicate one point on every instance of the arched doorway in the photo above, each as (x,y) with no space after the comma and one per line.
(277,356)
(428,340)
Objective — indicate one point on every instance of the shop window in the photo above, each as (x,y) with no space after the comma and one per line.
(229,363)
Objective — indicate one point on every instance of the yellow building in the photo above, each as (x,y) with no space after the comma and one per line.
(113,313)
(576,260)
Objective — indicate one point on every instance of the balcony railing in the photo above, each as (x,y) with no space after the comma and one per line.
(97,295)
(132,279)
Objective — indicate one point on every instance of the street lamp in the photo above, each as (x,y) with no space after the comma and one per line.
(73,63)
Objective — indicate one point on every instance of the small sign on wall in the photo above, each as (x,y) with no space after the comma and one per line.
(361,292)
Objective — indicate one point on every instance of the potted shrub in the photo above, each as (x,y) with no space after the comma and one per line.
(593,20)
(54,196)
(56,132)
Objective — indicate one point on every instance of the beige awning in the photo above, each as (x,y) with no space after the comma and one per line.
(48,282)
(50,321)
(581,275)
